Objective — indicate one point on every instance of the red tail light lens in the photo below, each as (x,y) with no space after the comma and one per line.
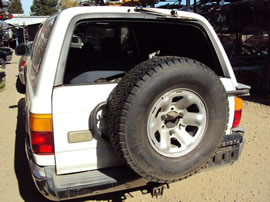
(23,63)
(237,118)
(42,143)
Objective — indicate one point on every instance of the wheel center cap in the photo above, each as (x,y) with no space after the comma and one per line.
(172,119)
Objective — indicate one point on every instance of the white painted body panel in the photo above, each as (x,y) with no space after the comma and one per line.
(45,160)
(72,106)
(228,85)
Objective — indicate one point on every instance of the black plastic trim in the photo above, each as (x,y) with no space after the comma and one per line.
(244,92)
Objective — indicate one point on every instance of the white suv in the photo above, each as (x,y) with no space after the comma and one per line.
(122,97)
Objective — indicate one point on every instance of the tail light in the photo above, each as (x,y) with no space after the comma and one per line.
(42,134)
(237,111)
(23,63)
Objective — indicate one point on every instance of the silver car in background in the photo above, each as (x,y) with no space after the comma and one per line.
(20,84)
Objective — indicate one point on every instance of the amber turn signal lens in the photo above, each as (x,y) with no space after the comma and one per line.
(41,122)
(238,103)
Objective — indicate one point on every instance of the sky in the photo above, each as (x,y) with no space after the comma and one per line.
(26,4)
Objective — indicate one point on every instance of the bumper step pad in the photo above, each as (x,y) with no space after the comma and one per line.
(228,151)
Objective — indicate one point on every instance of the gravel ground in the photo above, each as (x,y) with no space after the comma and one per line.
(246,180)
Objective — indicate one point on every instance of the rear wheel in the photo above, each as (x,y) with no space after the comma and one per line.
(167,117)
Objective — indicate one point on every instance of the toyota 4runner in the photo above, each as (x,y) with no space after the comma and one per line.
(123,97)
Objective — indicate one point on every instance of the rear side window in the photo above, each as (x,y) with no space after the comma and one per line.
(40,44)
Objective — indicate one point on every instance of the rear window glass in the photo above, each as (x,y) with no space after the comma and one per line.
(102,52)
(99,52)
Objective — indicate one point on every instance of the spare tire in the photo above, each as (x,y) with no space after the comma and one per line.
(167,116)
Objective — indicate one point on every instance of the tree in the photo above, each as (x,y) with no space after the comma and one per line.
(64,4)
(16,7)
(43,7)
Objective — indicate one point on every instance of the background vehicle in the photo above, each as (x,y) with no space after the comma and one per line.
(2,79)
(129,107)
(7,53)
(20,84)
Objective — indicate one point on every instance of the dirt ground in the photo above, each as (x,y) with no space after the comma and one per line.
(246,180)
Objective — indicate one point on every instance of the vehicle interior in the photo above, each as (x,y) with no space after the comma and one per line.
(105,51)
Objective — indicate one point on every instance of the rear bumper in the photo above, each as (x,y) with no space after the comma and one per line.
(228,152)
(90,183)
(61,187)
